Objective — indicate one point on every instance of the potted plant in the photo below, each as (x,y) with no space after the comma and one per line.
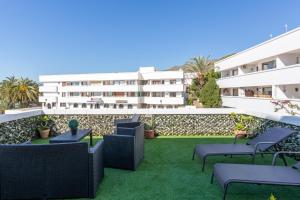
(149,131)
(242,124)
(43,127)
(73,125)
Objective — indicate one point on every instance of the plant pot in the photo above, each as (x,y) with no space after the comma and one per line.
(240,133)
(74,131)
(44,134)
(149,134)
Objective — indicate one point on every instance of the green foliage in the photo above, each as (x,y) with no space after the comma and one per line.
(210,94)
(272,197)
(242,122)
(73,124)
(240,127)
(148,126)
(43,123)
(16,93)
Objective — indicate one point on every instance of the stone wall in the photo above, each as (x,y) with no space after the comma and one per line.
(18,131)
(172,124)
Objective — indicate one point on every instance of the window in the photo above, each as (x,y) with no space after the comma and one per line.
(84,83)
(158,82)
(121,106)
(172,94)
(129,106)
(62,105)
(97,106)
(96,94)
(118,94)
(118,82)
(158,94)
(83,105)
(235,92)
(115,106)
(235,72)
(84,94)
(269,65)
(75,83)
(169,107)
(75,105)
(106,105)
(172,82)
(74,94)
(145,94)
(131,82)
(63,94)
(131,94)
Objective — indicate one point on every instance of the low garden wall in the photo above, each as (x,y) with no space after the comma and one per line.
(185,124)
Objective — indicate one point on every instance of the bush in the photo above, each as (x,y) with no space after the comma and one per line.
(210,94)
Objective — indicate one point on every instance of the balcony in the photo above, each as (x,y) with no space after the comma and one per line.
(163,88)
(48,89)
(163,100)
(278,76)
(100,88)
(108,100)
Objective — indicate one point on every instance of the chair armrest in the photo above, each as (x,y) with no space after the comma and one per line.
(260,143)
(282,153)
(96,167)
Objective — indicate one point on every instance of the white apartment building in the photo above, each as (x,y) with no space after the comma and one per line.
(254,78)
(146,88)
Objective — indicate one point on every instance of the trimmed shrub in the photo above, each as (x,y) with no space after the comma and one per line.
(210,94)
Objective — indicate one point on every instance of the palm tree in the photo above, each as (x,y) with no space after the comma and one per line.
(200,65)
(6,92)
(25,91)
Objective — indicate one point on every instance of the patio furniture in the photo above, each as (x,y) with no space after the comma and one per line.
(227,174)
(134,118)
(68,137)
(125,149)
(69,170)
(258,145)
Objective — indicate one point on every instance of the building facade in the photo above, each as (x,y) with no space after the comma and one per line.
(146,88)
(257,77)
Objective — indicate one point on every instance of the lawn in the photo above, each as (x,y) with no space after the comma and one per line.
(169,173)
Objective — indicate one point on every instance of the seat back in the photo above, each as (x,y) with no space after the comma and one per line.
(274,135)
(135,118)
(44,171)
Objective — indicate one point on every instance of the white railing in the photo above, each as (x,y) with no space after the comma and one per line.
(277,76)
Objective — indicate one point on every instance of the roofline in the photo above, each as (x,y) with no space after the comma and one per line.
(260,44)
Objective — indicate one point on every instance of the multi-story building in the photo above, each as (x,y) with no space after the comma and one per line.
(146,88)
(254,78)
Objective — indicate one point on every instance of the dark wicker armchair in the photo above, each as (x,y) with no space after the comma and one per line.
(47,171)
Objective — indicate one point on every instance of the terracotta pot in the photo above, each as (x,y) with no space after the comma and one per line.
(44,133)
(240,133)
(149,134)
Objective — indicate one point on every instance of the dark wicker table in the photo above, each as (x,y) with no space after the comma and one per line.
(68,137)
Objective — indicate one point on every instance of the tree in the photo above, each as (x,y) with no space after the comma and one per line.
(26,92)
(200,65)
(7,92)
(210,94)
(14,92)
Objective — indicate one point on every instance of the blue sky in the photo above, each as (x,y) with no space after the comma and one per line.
(74,36)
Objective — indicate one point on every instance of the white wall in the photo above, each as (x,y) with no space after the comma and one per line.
(287,42)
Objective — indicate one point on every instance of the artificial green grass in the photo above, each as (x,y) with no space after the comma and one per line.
(169,173)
